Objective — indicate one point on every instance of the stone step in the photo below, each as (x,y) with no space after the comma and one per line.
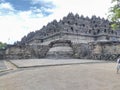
(60,52)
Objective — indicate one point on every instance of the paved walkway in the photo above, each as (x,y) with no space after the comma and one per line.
(50,62)
(2,65)
(97,76)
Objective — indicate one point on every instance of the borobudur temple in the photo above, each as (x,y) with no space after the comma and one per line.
(72,37)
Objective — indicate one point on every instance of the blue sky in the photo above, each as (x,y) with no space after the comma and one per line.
(19,17)
(35,6)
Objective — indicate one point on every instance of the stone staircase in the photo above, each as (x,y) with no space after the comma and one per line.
(59,51)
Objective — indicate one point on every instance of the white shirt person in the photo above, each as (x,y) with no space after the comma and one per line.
(118,65)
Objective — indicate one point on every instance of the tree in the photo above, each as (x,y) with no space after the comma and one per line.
(2,45)
(115,14)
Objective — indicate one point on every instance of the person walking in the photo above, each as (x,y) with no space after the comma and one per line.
(118,65)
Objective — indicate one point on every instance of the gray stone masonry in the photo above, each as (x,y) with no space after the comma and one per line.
(74,36)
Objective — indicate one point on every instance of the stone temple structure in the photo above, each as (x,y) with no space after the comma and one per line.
(72,37)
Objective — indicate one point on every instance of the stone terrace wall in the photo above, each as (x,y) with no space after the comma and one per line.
(40,51)
(26,52)
(106,51)
(98,51)
(95,50)
(81,50)
(18,52)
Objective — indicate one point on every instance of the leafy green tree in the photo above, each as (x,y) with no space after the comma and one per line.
(114,14)
(2,45)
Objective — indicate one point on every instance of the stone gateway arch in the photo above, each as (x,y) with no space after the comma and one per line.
(60,49)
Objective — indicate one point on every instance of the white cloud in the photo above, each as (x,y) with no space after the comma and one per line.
(11,27)
(25,14)
(85,7)
(16,25)
(6,6)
